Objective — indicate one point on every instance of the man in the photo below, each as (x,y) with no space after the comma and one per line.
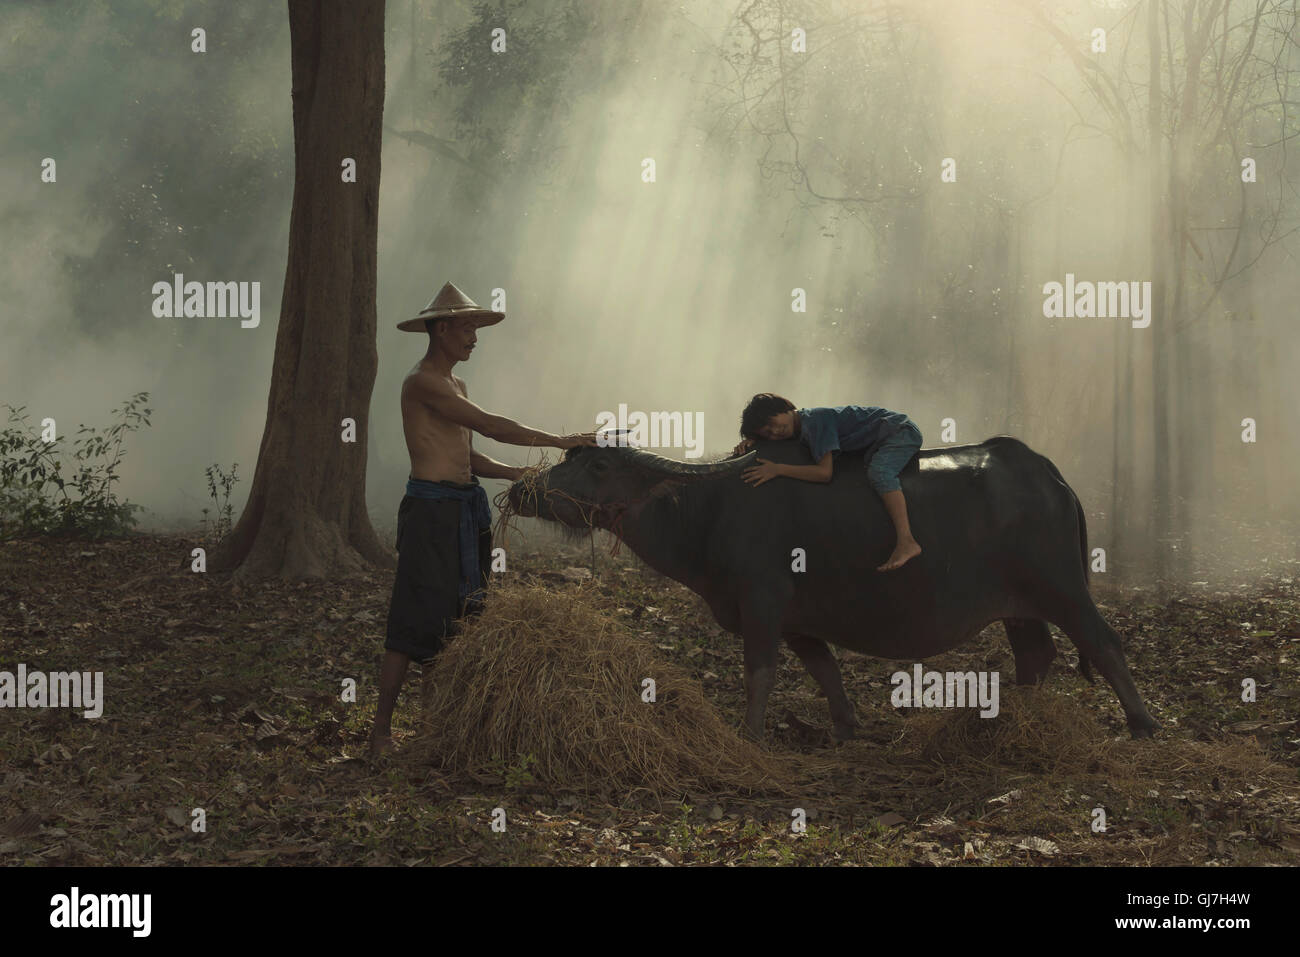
(444,534)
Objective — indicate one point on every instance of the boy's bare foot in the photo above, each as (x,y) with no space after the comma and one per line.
(380,744)
(903,552)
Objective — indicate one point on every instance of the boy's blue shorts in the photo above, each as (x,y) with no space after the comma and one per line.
(888,460)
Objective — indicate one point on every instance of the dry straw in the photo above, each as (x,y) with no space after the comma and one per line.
(1040,729)
(1036,729)
(544,674)
(529,495)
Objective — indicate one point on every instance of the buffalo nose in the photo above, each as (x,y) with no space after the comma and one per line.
(523,501)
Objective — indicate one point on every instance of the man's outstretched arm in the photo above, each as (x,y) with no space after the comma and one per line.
(455,407)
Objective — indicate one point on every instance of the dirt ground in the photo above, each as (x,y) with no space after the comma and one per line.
(230,699)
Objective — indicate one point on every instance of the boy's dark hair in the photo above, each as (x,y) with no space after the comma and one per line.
(761,408)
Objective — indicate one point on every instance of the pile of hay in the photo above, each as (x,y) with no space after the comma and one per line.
(1041,729)
(545,674)
(1036,729)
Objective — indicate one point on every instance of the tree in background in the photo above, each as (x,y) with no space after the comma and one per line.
(1213,88)
(306,512)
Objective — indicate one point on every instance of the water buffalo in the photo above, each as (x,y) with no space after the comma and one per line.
(1004,539)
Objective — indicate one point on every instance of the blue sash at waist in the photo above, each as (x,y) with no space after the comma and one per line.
(475,517)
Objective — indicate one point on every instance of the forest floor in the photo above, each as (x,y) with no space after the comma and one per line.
(229,699)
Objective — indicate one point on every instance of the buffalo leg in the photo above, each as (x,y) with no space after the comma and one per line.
(760,676)
(1099,642)
(762,637)
(825,670)
(1033,647)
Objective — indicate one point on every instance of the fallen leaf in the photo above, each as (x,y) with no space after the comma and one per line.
(1046,848)
(943,827)
(56,752)
(1247,726)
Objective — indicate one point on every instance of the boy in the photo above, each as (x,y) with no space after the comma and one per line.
(889,440)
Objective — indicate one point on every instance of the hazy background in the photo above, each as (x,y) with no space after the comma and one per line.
(525,174)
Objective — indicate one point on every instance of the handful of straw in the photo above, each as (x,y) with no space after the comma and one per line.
(506,512)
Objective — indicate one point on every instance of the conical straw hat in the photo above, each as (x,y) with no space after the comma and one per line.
(451,303)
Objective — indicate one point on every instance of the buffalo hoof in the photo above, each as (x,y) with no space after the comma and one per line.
(1143,729)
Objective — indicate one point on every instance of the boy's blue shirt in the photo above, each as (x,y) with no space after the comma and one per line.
(847,428)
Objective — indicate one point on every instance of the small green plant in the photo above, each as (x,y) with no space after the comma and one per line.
(520,776)
(683,835)
(517,775)
(220,484)
(37,495)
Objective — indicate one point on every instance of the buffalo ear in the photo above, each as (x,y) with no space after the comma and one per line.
(617,438)
(668,486)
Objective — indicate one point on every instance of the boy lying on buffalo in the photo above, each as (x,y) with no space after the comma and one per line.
(888,441)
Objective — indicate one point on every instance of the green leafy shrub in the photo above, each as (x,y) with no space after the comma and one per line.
(43,493)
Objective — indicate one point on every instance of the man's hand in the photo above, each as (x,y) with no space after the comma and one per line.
(764,472)
(523,471)
(576,440)
(742,448)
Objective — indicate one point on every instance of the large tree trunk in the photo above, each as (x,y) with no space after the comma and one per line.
(306,513)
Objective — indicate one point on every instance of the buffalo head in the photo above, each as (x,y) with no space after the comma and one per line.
(595,486)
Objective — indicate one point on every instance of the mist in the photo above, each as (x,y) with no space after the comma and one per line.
(524,171)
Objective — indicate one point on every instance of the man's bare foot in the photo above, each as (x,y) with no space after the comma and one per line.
(380,744)
(903,552)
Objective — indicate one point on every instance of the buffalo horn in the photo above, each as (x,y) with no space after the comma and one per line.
(659,465)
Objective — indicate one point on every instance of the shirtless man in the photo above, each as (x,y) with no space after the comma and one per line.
(444,533)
